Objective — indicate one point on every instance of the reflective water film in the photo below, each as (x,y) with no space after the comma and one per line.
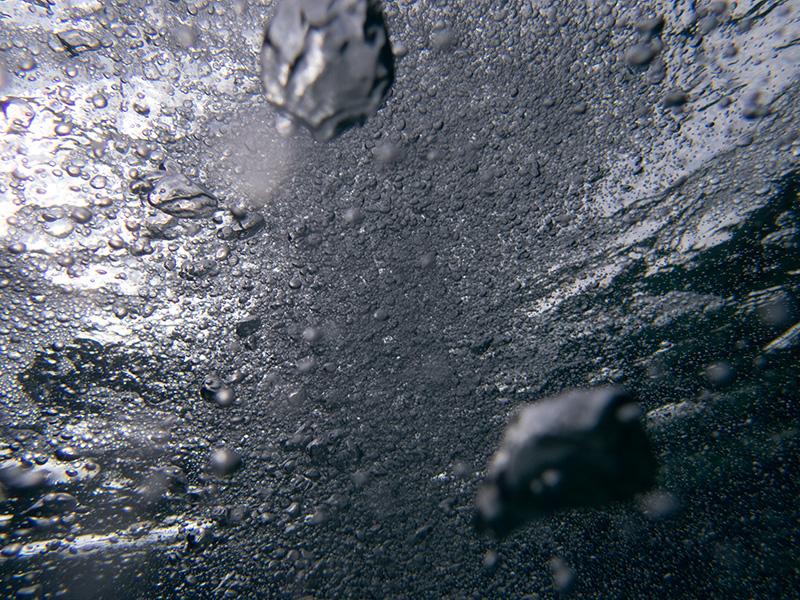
(321,299)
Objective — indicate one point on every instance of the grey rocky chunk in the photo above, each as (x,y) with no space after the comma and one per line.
(245,225)
(179,197)
(248,326)
(326,64)
(76,41)
(581,448)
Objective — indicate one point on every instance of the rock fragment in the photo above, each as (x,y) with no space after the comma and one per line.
(581,448)
(177,196)
(327,65)
(248,326)
(76,41)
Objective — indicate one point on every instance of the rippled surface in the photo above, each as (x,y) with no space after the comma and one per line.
(258,365)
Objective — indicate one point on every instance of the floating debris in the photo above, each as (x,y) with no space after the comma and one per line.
(18,114)
(326,64)
(225,461)
(582,448)
(179,197)
(76,41)
(248,326)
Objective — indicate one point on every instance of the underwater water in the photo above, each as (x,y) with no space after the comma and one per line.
(293,298)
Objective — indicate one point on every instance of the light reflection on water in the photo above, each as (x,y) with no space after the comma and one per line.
(94,130)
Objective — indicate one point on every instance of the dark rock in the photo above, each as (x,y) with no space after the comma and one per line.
(582,448)
(675,98)
(482,345)
(160,482)
(754,107)
(210,386)
(247,327)
(249,224)
(652,25)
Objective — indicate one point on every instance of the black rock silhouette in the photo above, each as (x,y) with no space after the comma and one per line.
(582,448)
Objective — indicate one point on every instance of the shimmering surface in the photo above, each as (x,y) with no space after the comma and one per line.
(295,393)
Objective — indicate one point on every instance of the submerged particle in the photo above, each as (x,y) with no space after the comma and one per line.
(18,477)
(312,334)
(63,128)
(442,38)
(224,397)
(563,575)
(720,374)
(67,453)
(16,248)
(675,98)
(658,505)
(81,215)
(248,326)
(179,197)
(18,113)
(27,63)
(30,591)
(246,224)
(225,461)
(641,54)
(76,41)
(99,100)
(327,65)
(754,106)
(54,503)
(185,36)
(11,550)
(582,448)
(490,560)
